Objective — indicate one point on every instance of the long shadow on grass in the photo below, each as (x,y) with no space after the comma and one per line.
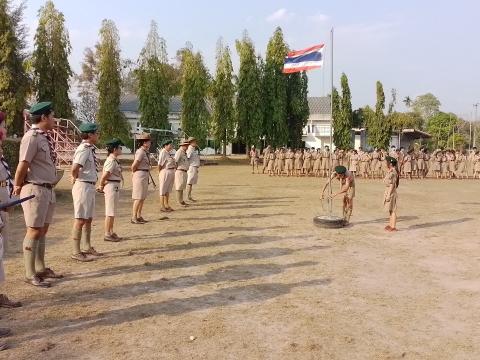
(233,240)
(230,229)
(439,223)
(382,220)
(240,207)
(221,298)
(234,255)
(225,274)
(225,204)
(236,217)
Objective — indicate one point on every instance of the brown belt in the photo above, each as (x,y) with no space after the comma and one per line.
(182,170)
(114,181)
(88,182)
(143,170)
(45,185)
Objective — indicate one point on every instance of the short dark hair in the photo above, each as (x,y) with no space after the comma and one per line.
(35,119)
(112,148)
(84,136)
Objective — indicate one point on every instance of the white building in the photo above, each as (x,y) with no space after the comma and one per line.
(317,131)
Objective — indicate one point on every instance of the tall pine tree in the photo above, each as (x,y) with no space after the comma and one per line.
(14,82)
(223,91)
(345,124)
(195,84)
(275,91)
(297,107)
(52,71)
(154,81)
(249,103)
(379,128)
(111,120)
(338,130)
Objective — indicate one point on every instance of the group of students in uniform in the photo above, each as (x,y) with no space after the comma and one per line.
(37,175)
(420,164)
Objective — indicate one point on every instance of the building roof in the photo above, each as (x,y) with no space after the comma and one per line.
(130,103)
(319,105)
(417,133)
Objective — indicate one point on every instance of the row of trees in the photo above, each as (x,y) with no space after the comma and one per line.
(447,129)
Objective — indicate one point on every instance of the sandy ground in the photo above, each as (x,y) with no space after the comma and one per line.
(248,276)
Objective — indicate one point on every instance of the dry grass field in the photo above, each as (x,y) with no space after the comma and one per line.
(244,274)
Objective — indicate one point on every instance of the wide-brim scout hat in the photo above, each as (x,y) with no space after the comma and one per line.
(143,136)
(88,128)
(191,139)
(41,108)
(114,143)
(185,143)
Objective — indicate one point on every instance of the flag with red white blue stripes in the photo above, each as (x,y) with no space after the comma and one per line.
(303,60)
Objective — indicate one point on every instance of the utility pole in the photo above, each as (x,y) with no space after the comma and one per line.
(475,126)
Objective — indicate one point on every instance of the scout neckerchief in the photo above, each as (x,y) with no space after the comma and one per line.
(95,159)
(51,142)
(9,174)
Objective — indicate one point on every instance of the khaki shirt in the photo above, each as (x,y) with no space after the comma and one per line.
(35,150)
(166,160)
(85,158)
(194,157)
(143,159)
(181,159)
(112,165)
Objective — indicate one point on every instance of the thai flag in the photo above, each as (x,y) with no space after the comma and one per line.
(303,60)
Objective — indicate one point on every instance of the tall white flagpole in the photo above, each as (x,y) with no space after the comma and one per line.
(331,122)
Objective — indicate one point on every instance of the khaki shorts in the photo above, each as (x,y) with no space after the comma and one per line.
(165,181)
(83,195)
(180,180)
(39,210)
(390,206)
(140,185)
(112,198)
(253,161)
(192,178)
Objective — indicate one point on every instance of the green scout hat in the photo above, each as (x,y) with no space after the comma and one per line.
(166,142)
(391,160)
(114,143)
(340,169)
(41,108)
(88,128)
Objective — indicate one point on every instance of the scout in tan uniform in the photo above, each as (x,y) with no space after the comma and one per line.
(253,154)
(347,189)
(407,165)
(140,176)
(298,162)
(354,158)
(289,162)
(181,173)
(391,180)
(325,161)
(84,179)
(271,163)
(36,175)
(451,163)
(437,163)
(193,156)
(110,186)
(307,158)
(476,165)
(461,159)
(280,162)
(166,175)
(266,158)
(317,162)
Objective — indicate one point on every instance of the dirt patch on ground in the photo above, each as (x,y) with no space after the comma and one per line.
(244,274)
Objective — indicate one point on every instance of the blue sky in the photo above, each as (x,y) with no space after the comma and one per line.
(412,46)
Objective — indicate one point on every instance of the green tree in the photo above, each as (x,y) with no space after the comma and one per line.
(111,120)
(297,107)
(52,70)
(14,82)
(223,92)
(249,103)
(379,127)
(154,81)
(426,105)
(195,85)
(337,118)
(344,122)
(275,91)
(440,126)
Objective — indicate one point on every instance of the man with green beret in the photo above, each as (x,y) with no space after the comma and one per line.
(347,189)
(84,178)
(36,175)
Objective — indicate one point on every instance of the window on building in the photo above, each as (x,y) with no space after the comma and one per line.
(308,129)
